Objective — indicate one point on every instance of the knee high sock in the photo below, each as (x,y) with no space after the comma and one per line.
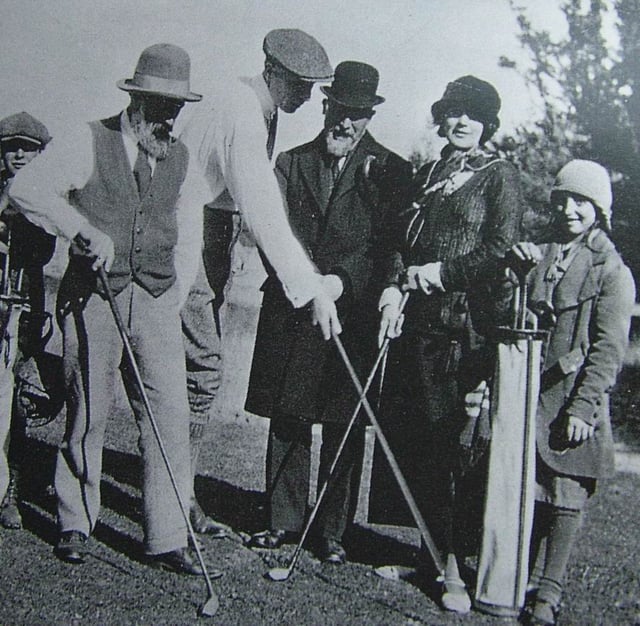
(564,525)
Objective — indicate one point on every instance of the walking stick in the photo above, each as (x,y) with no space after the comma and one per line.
(395,468)
(283,573)
(212,603)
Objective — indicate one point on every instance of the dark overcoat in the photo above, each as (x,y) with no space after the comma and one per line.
(295,372)
(592,301)
(466,213)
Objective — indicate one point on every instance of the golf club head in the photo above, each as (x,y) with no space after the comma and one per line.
(279,574)
(210,607)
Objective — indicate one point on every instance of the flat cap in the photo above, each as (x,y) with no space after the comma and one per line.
(24,126)
(299,53)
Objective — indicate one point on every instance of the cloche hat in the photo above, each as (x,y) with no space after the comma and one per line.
(477,97)
(163,69)
(588,179)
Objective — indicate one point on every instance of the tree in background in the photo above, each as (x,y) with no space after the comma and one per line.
(589,89)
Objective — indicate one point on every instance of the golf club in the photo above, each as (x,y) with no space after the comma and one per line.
(395,468)
(283,573)
(212,603)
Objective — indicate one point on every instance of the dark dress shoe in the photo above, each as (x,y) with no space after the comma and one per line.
(205,525)
(72,546)
(270,539)
(180,561)
(331,551)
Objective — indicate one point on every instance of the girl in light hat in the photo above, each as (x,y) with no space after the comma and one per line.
(583,294)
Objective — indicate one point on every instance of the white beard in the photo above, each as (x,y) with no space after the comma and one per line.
(153,137)
(339,146)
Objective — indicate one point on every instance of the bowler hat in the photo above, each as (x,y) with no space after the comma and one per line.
(354,85)
(26,127)
(163,70)
(299,53)
(478,98)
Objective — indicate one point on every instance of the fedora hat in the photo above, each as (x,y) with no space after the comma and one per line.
(163,70)
(299,53)
(354,85)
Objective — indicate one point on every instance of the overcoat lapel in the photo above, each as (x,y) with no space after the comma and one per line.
(315,175)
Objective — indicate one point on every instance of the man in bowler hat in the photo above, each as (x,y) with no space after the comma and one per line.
(232,134)
(339,190)
(114,188)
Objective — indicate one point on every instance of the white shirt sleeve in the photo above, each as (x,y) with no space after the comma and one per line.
(189,214)
(229,139)
(41,190)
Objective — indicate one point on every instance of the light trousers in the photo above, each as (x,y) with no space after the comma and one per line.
(93,362)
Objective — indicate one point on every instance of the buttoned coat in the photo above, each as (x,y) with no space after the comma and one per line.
(342,226)
(592,301)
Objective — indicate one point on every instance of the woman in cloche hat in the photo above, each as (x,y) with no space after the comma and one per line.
(465,214)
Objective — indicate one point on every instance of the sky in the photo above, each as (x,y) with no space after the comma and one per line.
(60,60)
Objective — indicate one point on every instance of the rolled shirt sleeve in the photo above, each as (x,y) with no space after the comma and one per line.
(229,139)
(193,196)
(41,191)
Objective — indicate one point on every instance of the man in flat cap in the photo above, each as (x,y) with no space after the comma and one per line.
(340,189)
(233,137)
(115,189)
(24,250)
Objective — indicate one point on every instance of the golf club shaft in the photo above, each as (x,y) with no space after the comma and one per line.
(395,468)
(381,357)
(152,420)
(336,459)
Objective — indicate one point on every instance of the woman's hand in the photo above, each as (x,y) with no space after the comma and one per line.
(424,277)
(391,319)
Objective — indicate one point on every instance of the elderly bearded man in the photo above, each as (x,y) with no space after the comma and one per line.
(116,188)
(339,210)
(233,135)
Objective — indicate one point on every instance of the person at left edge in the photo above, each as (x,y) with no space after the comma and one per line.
(114,188)
(24,250)
(340,189)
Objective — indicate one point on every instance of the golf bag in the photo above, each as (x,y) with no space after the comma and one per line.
(503,565)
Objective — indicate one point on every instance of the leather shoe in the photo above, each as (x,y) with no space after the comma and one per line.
(270,539)
(205,525)
(331,551)
(180,561)
(72,546)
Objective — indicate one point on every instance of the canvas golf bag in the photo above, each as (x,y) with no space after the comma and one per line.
(503,565)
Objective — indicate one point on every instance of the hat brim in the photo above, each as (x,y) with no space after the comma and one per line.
(36,142)
(127,85)
(355,103)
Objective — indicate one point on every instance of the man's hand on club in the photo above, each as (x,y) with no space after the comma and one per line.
(97,245)
(323,307)
(391,319)
(424,277)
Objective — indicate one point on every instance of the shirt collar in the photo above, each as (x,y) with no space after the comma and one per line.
(260,88)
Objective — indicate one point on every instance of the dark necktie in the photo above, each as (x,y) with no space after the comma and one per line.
(142,172)
(272,126)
